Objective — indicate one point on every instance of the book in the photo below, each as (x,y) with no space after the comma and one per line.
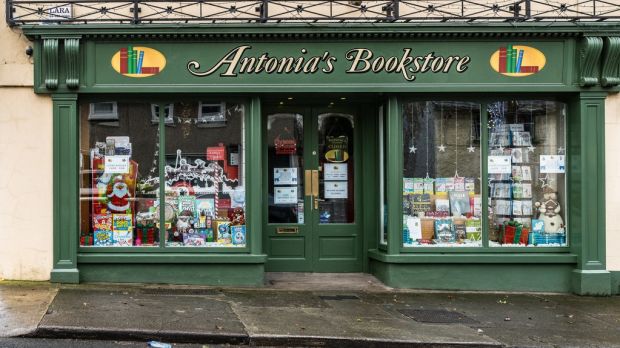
(517,208)
(140,60)
(460,231)
(459,184)
(123,60)
(150,70)
(418,185)
(429,186)
(513,64)
(205,207)
(517,155)
(473,229)
(529,69)
(502,207)
(122,229)
(414,225)
(502,59)
(517,191)
(408,186)
(509,59)
(102,230)
(521,138)
(444,231)
(470,185)
(459,203)
(440,185)
(526,190)
(187,204)
(477,205)
(526,173)
(526,208)
(519,60)
(442,204)
(420,203)
(517,173)
(238,234)
(129,59)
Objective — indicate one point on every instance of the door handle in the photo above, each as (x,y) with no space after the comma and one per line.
(315,183)
(316,202)
(308,182)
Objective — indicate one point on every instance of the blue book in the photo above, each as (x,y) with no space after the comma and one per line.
(141,58)
(519,60)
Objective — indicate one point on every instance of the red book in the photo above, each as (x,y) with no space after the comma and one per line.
(150,70)
(529,69)
(123,60)
(502,60)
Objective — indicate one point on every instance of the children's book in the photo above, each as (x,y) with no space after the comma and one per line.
(122,229)
(459,203)
(444,231)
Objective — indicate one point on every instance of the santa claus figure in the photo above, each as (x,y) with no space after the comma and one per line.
(119,197)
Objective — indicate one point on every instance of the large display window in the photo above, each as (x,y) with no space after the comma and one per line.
(201,202)
(522,146)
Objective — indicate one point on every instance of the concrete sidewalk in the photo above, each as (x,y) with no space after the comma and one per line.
(362,313)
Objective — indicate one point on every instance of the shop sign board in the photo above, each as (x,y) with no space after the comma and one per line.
(348,64)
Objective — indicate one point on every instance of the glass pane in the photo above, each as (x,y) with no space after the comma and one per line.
(527,173)
(442,204)
(204,173)
(119,175)
(336,164)
(285,167)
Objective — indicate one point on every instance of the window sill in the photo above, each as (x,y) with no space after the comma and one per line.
(475,256)
(169,257)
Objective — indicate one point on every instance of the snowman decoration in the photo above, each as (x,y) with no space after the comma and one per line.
(549,211)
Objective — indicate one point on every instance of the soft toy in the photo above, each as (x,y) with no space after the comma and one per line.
(549,210)
(238,217)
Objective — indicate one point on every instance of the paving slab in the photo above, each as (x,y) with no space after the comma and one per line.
(22,305)
(134,315)
(354,322)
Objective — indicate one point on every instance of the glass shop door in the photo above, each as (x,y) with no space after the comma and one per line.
(312,191)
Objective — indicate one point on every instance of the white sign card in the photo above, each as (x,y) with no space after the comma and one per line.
(336,189)
(285,195)
(552,164)
(285,176)
(118,164)
(300,213)
(499,165)
(335,171)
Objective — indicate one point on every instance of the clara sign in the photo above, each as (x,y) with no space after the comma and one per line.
(241,60)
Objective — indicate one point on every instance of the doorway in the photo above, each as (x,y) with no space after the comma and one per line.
(312,193)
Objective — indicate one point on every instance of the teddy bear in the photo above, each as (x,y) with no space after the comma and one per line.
(549,211)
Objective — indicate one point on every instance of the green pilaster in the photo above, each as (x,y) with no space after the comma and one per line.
(253,167)
(394,174)
(586,177)
(65,189)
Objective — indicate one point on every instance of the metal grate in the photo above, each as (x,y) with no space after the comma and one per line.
(437,316)
(310,11)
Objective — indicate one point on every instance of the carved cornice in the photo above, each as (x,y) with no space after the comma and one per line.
(72,62)
(589,57)
(50,61)
(610,76)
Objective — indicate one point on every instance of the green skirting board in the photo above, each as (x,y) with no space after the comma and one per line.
(488,277)
(195,274)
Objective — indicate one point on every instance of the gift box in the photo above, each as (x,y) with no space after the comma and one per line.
(514,233)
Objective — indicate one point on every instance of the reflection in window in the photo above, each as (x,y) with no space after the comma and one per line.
(527,173)
(119,176)
(441,174)
(204,177)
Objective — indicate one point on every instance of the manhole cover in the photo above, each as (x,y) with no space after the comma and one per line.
(437,316)
(338,297)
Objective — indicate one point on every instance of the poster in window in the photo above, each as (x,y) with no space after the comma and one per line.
(335,171)
(500,165)
(285,176)
(285,195)
(336,189)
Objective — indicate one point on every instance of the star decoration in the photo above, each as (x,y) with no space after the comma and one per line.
(545,181)
(471,149)
(560,150)
(531,148)
(412,149)
(490,181)
(501,148)
(442,148)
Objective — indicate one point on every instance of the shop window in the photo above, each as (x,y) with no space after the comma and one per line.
(527,173)
(382,178)
(212,114)
(442,205)
(202,168)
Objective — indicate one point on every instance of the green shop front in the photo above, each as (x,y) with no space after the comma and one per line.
(433,157)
